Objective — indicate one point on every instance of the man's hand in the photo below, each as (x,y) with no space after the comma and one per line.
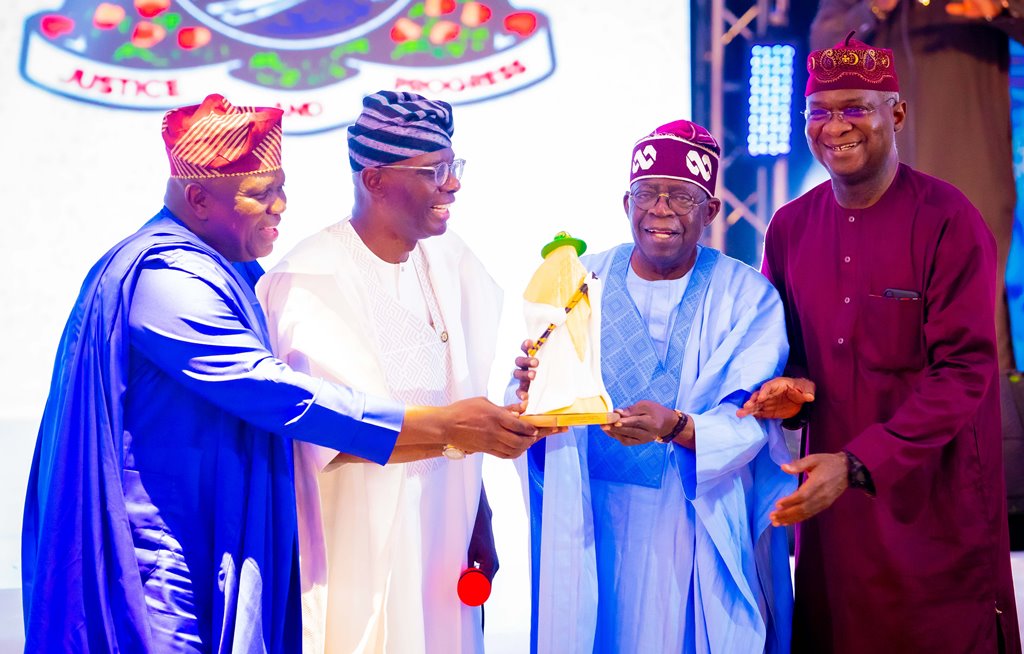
(476,425)
(987,9)
(781,397)
(642,423)
(525,372)
(825,482)
(482,552)
(473,425)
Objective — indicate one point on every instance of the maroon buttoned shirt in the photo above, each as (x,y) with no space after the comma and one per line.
(889,311)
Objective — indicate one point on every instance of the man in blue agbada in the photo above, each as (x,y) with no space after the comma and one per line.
(161,509)
(652,534)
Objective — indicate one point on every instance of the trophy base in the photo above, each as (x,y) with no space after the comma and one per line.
(569,419)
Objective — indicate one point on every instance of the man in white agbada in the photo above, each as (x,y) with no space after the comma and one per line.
(388,303)
(652,534)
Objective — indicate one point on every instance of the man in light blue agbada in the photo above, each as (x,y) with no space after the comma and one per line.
(652,534)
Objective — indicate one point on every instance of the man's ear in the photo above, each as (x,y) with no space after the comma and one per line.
(625,203)
(373,180)
(198,199)
(714,206)
(899,116)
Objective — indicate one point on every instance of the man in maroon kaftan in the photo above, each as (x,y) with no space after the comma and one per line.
(887,276)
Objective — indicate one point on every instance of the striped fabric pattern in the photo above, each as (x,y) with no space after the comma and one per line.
(395,126)
(218,139)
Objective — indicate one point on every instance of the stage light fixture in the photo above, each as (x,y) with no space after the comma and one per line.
(769,122)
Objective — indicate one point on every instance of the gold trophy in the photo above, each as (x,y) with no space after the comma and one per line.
(562,306)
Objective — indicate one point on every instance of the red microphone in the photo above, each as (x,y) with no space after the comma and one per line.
(474,587)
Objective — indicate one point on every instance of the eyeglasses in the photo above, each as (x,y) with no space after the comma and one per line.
(680,203)
(442,170)
(846,114)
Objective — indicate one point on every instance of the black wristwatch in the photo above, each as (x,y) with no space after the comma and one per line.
(858,475)
(681,423)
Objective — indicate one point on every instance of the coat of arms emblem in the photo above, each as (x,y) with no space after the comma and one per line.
(313,58)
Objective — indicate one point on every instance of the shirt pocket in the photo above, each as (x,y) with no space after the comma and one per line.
(892,333)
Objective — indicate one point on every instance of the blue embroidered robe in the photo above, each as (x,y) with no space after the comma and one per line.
(735,568)
(160,513)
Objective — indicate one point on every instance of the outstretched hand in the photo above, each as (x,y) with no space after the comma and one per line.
(781,397)
(825,481)
(476,425)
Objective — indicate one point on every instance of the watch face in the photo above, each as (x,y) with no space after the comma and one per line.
(453,452)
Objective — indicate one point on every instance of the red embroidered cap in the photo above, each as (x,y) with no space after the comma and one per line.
(218,139)
(851,64)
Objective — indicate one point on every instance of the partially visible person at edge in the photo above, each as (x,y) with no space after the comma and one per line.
(954,63)
(387,302)
(652,534)
(887,276)
(161,510)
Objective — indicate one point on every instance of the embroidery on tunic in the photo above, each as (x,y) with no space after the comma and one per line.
(414,356)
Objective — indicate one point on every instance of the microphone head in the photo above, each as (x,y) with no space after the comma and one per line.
(474,587)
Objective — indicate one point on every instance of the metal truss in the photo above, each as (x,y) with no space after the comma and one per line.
(771,189)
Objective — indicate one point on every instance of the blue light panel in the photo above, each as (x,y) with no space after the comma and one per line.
(771,96)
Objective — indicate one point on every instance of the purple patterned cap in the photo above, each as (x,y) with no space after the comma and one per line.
(678,150)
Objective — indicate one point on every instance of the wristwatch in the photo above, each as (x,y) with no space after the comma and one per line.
(681,423)
(453,453)
(858,475)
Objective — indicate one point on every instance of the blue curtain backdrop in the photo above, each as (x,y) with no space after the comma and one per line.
(1015,269)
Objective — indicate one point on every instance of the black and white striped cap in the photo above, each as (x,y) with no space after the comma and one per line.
(395,126)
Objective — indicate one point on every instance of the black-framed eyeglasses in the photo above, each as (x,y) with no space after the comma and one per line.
(442,170)
(680,203)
